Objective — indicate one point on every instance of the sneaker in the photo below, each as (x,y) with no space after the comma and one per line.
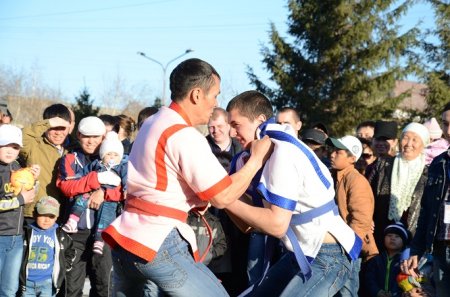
(98,247)
(70,226)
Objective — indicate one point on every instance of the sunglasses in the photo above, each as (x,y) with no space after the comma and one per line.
(367,156)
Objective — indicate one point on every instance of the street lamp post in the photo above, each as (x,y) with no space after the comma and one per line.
(164,69)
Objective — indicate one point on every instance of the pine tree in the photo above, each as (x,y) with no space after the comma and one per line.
(438,57)
(84,107)
(340,63)
(157,103)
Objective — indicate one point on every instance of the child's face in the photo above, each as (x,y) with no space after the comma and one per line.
(111,158)
(45,221)
(245,128)
(393,242)
(340,159)
(9,152)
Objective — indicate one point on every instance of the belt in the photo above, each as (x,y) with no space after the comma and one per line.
(137,205)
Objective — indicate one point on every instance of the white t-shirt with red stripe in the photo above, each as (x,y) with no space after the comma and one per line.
(171,164)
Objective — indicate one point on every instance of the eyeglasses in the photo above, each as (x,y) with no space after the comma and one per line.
(367,156)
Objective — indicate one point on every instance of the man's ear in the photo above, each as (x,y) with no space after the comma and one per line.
(261,118)
(298,125)
(194,95)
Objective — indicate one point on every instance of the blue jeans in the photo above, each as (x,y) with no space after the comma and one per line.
(255,262)
(106,215)
(351,286)
(40,289)
(11,250)
(261,251)
(172,272)
(330,269)
(441,269)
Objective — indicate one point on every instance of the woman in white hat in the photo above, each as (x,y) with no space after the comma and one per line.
(398,182)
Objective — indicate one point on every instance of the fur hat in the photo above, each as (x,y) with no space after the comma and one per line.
(111,144)
(434,128)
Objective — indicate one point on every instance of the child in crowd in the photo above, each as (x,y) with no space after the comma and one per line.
(48,252)
(382,270)
(437,144)
(12,202)
(211,240)
(111,154)
(354,199)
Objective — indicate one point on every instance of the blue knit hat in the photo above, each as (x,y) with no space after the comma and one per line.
(399,229)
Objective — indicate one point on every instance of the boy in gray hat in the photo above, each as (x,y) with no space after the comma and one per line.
(48,252)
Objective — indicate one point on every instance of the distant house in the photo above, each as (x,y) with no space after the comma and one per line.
(416,101)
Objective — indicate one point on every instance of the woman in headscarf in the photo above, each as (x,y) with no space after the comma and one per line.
(398,182)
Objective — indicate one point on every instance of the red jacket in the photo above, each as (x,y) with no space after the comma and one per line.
(72,183)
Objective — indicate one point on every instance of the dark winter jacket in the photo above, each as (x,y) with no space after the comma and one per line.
(224,157)
(380,181)
(219,242)
(381,274)
(433,195)
(11,206)
(64,258)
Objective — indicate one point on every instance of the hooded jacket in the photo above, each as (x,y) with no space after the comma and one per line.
(11,206)
(64,258)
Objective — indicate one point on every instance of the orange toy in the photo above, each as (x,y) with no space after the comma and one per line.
(22,178)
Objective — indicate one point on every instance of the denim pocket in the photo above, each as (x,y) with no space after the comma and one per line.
(164,271)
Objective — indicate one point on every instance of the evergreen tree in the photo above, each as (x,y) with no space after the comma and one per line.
(341,61)
(157,103)
(84,107)
(438,58)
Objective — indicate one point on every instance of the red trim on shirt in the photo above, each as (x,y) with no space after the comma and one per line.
(140,206)
(181,112)
(113,238)
(215,189)
(196,256)
(160,163)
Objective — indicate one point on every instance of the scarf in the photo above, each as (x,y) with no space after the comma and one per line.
(405,176)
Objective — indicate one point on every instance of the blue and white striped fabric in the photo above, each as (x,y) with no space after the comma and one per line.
(295,179)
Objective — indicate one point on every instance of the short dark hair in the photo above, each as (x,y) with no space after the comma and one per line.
(290,109)
(110,120)
(366,124)
(251,104)
(57,110)
(189,74)
(144,114)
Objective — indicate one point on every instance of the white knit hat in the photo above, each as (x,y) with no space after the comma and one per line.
(434,128)
(111,144)
(420,130)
